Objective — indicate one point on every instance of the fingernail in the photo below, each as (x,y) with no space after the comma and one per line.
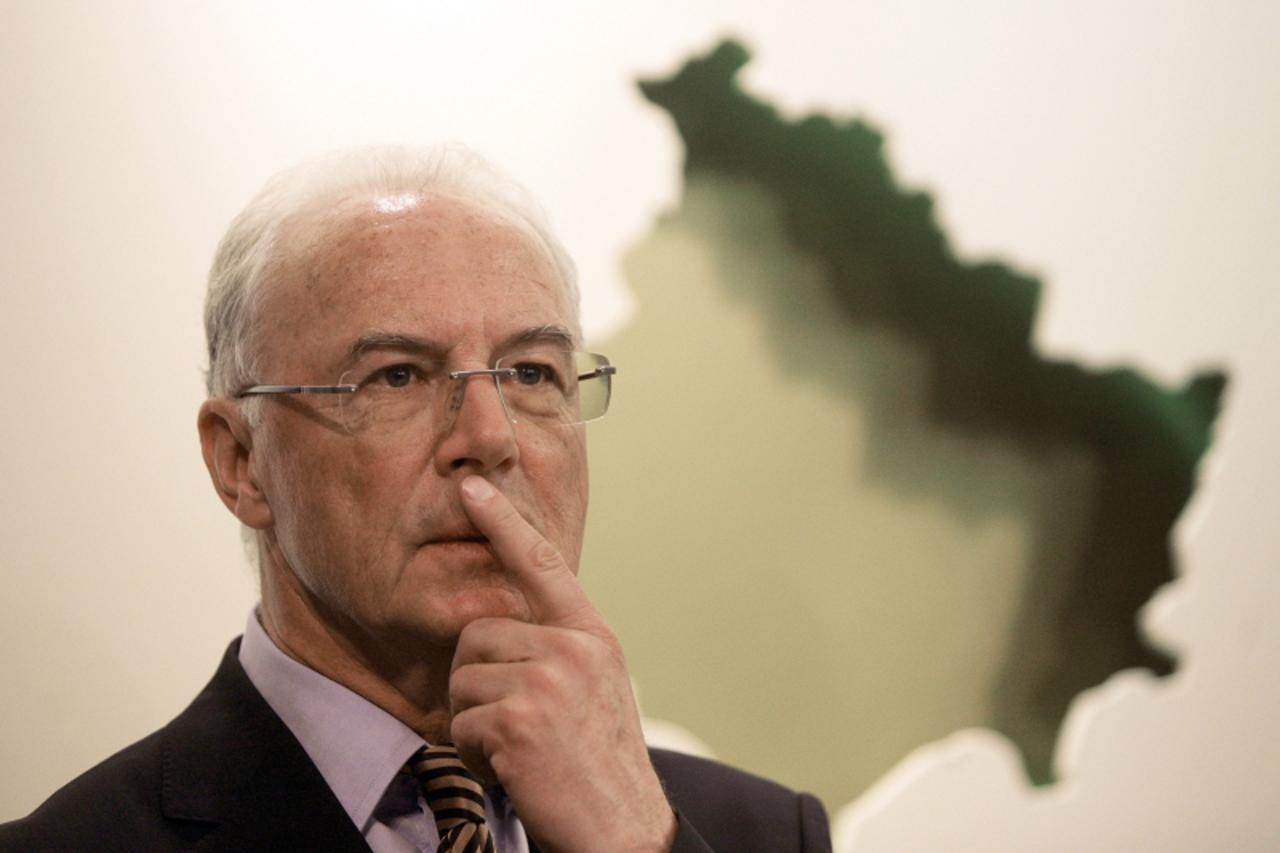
(477,488)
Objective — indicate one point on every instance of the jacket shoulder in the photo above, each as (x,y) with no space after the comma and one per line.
(167,790)
(113,802)
(734,810)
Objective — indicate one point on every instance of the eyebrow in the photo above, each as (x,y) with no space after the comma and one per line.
(552,333)
(377,341)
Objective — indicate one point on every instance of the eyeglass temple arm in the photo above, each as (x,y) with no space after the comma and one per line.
(603,370)
(255,390)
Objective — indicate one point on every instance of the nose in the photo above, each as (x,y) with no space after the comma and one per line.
(479,436)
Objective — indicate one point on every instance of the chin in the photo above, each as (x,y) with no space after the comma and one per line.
(453,584)
(443,615)
(498,599)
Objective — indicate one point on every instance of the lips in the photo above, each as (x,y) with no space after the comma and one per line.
(462,542)
(459,540)
(474,552)
(446,525)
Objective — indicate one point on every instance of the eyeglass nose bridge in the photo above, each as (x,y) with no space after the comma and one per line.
(459,392)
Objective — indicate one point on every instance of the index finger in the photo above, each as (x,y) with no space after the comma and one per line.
(552,590)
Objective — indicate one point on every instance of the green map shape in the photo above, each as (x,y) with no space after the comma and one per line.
(841,507)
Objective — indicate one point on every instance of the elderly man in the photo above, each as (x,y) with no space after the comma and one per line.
(396,409)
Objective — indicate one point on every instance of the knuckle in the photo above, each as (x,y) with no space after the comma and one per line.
(472,747)
(543,556)
(579,647)
(460,684)
(471,639)
(462,730)
(466,638)
(546,678)
(506,771)
(612,646)
(515,721)
(479,627)
(505,513)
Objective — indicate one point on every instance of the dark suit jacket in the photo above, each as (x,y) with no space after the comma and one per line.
(227,774)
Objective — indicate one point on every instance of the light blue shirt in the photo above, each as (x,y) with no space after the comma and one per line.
(359,750)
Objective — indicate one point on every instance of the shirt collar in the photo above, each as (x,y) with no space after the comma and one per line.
(357,747)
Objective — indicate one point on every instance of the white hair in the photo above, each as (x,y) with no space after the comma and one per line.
(254,250)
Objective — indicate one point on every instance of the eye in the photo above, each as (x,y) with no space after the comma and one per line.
(531,373)
(396,376)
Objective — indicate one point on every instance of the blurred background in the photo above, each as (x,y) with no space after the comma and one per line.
(941,449)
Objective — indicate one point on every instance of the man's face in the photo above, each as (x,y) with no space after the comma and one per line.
(368,530)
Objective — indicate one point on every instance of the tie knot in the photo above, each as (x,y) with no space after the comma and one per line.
(455,797)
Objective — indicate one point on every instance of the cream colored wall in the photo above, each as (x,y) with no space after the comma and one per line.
(1125,153)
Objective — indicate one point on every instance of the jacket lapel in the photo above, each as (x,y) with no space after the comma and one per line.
(236,774)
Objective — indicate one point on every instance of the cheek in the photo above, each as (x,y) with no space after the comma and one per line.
(308,519)
(371,494)
(331,505)
(557,468)
(384,482)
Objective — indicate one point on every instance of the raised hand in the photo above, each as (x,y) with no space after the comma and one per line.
(546,708)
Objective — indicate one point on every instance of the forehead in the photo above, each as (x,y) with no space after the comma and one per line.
(438,266)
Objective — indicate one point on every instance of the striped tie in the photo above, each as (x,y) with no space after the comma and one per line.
(455,798)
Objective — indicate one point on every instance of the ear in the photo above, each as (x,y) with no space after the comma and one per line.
(227,443)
